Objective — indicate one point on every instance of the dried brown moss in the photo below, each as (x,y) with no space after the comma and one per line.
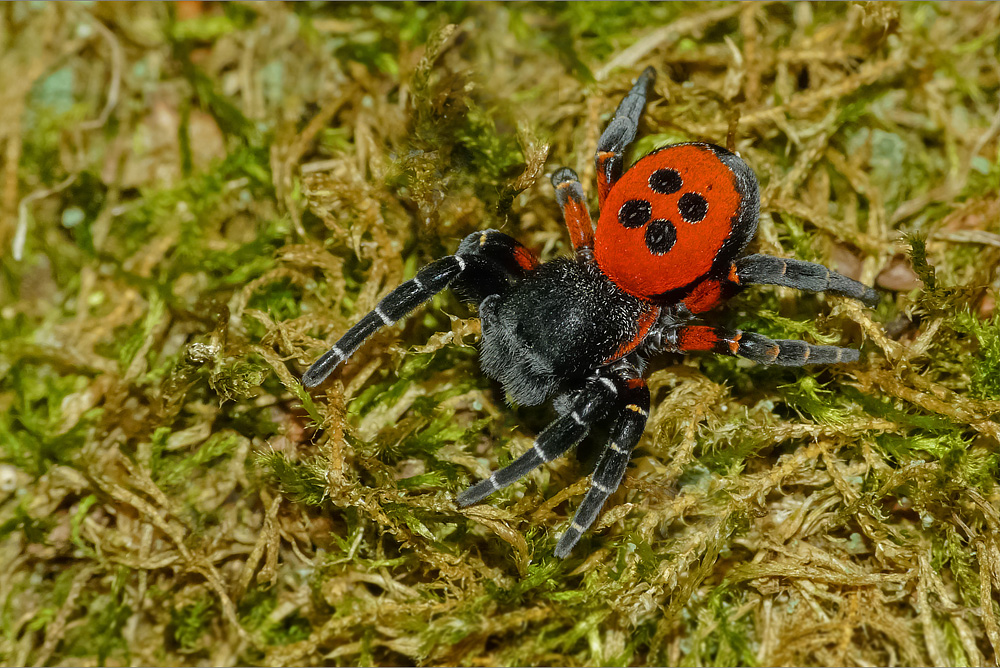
(203,197)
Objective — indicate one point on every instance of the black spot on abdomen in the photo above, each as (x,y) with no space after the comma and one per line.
(661,235)
(692,207)
(634,213)
(665,181)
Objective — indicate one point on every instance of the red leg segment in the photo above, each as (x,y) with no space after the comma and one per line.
(609,168)
(707,295)
(760,349)
(569,194)
(645,322)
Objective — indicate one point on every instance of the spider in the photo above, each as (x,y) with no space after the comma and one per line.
(667,247)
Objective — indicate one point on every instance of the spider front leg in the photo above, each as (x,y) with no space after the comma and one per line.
(619,134)
(633,399)
(484,263)
(756,347)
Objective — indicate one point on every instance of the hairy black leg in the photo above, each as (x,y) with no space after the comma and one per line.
(428,282)
(633,397)
(569,195)
(807,276)
(756,347)
(482,256)
(620,133)
(586,407)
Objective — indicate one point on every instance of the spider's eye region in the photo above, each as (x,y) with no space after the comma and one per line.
(635,213)
(665,181)
(692,207)
(661,235)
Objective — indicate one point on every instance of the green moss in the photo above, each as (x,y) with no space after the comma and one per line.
(237,265)
(492,159)
(32,529)
(57,591)
(239,378)
(51,110)
(77,521)
(32,430)
(810,398)
(729,642)
(984,367)
(171,469)
(281,300)
(292,628)
(190,623)
(912,447)
(255,613)
(925,271)
(139,332)
(953,553)
(884,409)
(303,482)
(106,616)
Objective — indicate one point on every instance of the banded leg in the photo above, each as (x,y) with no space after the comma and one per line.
(569,195)
(807,276)
(756,347)
(429,281)
(620,133)
(625,435)
(483,257)
(587,407)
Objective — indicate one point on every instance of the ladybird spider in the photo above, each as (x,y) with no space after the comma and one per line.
(666,248)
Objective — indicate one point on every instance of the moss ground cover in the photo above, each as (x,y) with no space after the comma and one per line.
(198,198)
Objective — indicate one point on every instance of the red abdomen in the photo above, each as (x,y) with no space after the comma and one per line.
(679,215)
